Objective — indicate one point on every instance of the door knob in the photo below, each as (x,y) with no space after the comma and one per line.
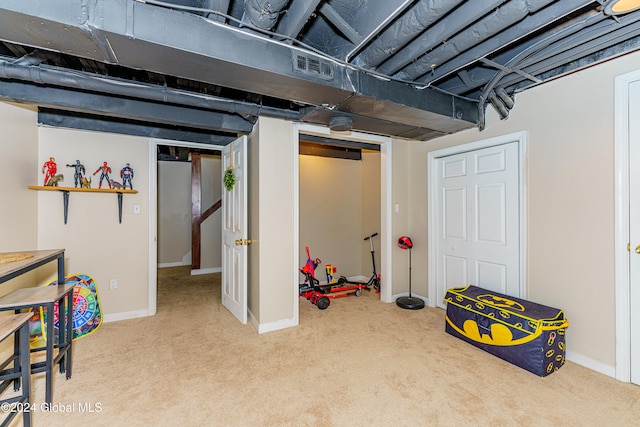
(638,249)
(243,242)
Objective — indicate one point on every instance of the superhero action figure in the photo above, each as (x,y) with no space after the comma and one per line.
(104,170)
(78,174)
(51,169)
(126,173)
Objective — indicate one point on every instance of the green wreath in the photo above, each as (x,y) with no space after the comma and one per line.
(229,179)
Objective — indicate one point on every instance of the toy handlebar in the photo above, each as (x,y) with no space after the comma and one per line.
(373,235)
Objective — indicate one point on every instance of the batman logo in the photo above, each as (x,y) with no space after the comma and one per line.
(501,302)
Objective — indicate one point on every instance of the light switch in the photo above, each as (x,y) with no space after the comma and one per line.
(396,207)
(136,209)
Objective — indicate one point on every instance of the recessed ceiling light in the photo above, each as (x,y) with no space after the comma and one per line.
(620,7)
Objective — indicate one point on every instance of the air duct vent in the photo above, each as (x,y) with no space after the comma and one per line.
(312,66)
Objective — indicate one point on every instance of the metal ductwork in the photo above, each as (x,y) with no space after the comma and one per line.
(133,34)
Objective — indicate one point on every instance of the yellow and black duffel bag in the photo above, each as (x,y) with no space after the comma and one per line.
(529,335)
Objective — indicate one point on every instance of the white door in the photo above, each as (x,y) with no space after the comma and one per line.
(234,230)
(477,221)
(634,229)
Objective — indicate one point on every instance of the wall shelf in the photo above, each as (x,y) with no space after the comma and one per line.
(66,190)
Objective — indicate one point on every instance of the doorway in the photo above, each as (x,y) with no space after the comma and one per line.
(339,205)
(181,236)
(383,258)
(476,217)
(627,230)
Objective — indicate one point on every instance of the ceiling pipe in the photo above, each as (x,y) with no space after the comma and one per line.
(504,17)
(146,91)
(459,18)
(541,55)
(263,13)
(528,52)
(504,97)
(575,46)
(500,107)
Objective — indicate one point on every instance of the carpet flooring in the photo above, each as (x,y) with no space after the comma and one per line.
(360,362)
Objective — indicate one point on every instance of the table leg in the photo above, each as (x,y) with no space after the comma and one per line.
(16,360)
(69,350)
(49,354)
(61,269)
(25,363)
(62,330)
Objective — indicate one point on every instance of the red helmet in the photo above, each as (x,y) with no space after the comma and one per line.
(405,242)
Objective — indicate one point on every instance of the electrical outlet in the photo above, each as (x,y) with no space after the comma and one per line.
(113,284)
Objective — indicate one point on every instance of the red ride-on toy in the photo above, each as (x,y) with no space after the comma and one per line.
(320,294)
(310,289)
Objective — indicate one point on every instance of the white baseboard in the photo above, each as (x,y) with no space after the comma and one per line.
(125,316)
(172,264)
(206,271)
(272,326)
(594,365)
(276,326)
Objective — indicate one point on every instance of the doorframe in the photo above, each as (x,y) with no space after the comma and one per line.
(385,201)
(622,204)
(153,212)
(433,211)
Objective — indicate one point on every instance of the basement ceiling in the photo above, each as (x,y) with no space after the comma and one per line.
(204,70)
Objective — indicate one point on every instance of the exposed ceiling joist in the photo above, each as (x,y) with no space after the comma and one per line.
(407,68)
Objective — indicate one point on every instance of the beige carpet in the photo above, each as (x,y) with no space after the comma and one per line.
(358,363)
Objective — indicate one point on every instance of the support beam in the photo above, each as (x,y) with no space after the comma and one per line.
(196,206)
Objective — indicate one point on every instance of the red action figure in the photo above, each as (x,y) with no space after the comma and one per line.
(52,169)
(104,170)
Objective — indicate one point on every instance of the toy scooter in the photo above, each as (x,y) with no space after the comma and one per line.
(374,280)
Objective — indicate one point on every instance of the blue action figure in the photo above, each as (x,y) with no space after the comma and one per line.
(104,170)
(78,174)
(126,174)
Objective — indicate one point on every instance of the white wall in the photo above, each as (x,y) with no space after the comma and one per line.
(19,206)
(331,213)
(570,200)
(174,213)
(95,243)
(370,216)
(272,182)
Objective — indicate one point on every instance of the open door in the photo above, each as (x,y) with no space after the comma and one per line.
(234,230)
